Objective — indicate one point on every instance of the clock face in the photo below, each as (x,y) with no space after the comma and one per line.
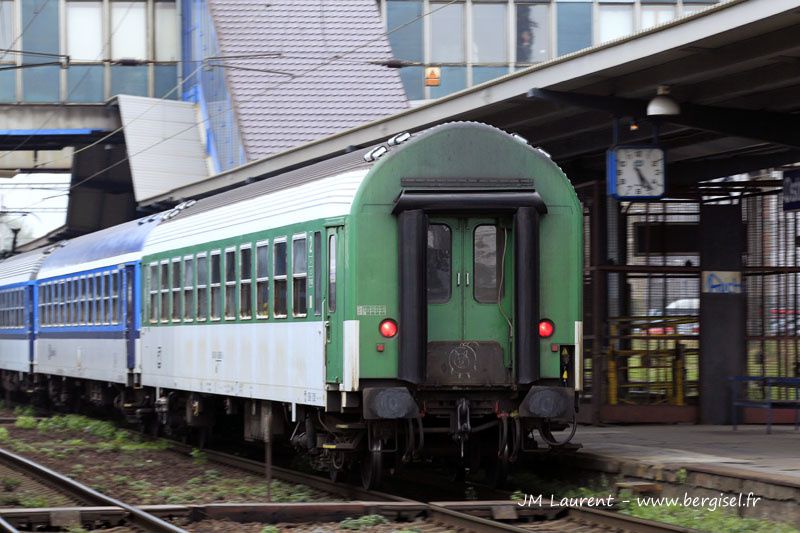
(640,172)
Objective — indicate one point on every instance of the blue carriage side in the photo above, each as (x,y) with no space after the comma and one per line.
(18,295)
(89,307)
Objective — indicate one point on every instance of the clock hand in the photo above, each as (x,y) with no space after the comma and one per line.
(644,181)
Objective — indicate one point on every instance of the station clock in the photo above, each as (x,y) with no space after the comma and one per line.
(635,172)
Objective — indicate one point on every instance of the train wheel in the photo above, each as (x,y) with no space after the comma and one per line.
(372,467)
(203,436)
(498,470)
(150,426)
(336,468)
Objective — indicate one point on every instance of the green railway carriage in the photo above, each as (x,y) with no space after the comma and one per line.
(385,302)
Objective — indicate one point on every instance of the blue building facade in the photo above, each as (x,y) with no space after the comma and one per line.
(474,41)
(113,47)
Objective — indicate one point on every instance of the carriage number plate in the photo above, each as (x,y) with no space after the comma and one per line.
(371,310)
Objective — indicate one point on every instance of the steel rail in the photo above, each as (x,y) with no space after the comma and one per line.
(351,492)
(458,517)
(462,520)
(451,513)
(6,527)
(87,494)
(618,521)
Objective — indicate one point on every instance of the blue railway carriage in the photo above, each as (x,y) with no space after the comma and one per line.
(17,316)
(87,317)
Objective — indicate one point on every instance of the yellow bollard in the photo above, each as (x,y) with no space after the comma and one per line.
(678,375)
(612,381)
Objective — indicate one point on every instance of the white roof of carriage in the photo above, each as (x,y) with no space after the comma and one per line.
(327,197)
(23,267)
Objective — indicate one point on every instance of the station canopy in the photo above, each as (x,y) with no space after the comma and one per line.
(734,69)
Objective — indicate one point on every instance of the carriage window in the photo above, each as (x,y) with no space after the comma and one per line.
(230,284)
(216,289)
(246,287)
(62,303)
(488,256)
(317,251)
(87,296)
(51,305)
(70,302)
(23,302)
(84,300)
(332,273)
(440,259)
(153,293)
(80,306)
(106,296)
(103,299)
(100,290)
(299,277)
(52,297)
(101,294)
(280,279)
(262,280)
(88,299)
(65,303)
(43,305)
(202,287)
(114,290)
(42,317)
(177,289)
(164,291)
(6,303)
(188,288)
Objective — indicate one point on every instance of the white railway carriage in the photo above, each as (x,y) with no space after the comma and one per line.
(262,352)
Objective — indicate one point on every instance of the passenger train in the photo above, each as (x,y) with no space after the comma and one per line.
(419,296)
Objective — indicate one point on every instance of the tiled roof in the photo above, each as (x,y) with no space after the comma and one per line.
(326,95)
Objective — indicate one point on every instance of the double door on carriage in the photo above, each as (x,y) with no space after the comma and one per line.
(469,286)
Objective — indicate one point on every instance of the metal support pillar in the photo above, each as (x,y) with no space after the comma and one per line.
(598,258)
(723,309)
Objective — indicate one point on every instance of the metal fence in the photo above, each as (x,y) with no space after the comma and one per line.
(771,282)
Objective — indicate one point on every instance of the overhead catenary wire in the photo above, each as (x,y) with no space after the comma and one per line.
(226,109)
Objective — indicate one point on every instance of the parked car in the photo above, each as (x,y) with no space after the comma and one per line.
(681,307)
(783,321)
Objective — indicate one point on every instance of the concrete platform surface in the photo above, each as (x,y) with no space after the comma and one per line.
(747,452)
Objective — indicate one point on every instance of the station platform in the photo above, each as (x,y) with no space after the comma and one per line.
(701,459)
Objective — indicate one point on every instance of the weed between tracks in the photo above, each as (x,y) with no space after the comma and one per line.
(119,463)
(371,523)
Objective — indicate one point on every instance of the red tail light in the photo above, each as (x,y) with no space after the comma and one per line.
(388,328)
(546,328)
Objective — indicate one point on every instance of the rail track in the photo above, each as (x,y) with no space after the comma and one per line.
(81,493)
(475,517)
(487,516)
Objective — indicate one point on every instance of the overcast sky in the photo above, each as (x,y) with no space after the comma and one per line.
(25,201)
